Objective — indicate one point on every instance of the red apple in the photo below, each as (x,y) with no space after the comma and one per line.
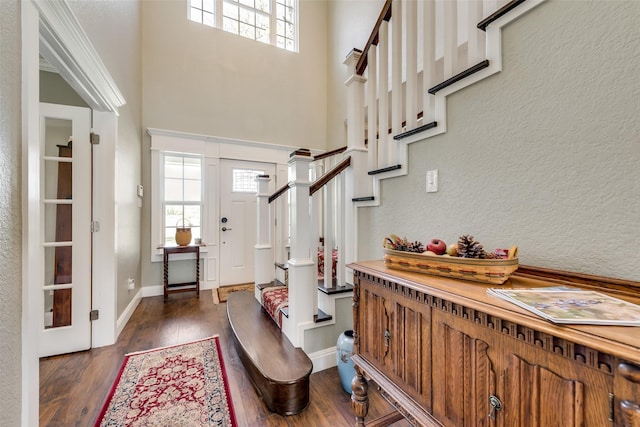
(437,246)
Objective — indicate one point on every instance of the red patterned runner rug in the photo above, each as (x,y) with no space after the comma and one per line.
(182,385)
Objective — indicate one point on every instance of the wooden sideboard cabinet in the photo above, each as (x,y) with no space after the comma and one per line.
(444,353)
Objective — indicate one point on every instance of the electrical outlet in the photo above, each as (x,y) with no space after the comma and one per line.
(131,283)
(432,181)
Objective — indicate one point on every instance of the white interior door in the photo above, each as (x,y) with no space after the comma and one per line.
(237,224)
(65,257)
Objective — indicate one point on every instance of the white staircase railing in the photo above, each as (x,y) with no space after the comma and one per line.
(418,53)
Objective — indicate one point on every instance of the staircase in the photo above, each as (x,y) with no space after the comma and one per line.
(418,53)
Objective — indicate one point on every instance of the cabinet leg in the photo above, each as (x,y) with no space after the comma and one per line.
(359,397)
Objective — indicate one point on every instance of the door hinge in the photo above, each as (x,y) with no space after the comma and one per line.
(94,314)
(95,226)
(94,138)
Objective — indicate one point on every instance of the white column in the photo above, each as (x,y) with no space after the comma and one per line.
(301,265)
(362,184)
(264,269)
(357,183)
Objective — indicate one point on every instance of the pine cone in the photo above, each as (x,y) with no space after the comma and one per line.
(407,246)
(402,244)
(469,248)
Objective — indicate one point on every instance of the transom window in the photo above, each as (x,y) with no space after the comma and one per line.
(268,21)
(244,180)
(182,201)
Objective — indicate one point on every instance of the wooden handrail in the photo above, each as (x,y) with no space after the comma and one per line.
(335,171)
(385,15)
(279,192)
(330,153)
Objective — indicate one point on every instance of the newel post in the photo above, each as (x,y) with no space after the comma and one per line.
(301,265)
(264,271)
(357,182)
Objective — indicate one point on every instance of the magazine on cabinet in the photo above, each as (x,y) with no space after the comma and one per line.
(571,305)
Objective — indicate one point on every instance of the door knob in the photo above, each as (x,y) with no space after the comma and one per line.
(225,229)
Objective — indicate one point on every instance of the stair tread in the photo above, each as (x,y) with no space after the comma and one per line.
(466,73)
(385,169)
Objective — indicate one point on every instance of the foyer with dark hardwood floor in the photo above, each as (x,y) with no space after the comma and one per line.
(74,386)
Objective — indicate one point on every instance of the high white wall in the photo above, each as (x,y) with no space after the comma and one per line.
(203,80)
(544,155)
(349,26)
(10,213)
(114,28)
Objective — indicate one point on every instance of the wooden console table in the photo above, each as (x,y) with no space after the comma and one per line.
(170,288)
(445,353)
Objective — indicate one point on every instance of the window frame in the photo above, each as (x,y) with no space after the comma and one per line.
(158,202)
(183,202)
(218,15)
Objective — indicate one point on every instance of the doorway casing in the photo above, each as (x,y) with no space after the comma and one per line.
(51,30)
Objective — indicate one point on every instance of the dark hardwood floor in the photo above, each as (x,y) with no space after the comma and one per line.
(73,387)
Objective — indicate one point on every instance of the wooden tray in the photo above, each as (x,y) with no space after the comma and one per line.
(494,271)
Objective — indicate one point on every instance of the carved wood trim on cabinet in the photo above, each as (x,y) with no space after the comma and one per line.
(445,354)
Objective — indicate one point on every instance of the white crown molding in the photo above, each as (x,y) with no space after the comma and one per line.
(65,45)
(224,140)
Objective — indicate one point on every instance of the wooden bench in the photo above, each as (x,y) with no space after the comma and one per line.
(278,370)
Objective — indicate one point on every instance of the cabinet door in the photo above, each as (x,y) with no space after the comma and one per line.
(395,337)
(464,371)
(627,394)
(545,389)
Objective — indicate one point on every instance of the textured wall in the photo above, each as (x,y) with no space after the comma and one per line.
(544,155)
(10,214)
(114,30)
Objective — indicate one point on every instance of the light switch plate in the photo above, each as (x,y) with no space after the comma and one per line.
(432,181)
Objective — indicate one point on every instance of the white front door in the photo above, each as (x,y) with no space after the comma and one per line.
(65,208)
(237,225)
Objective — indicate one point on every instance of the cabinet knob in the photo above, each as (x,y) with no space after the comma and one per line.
(496,405)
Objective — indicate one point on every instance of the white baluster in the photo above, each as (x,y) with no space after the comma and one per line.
(411,55)
(372,108)
(384,144)
(475,44)
(396,76)
(450,38)
(429,60)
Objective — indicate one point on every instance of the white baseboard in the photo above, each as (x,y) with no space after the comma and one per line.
(323,359)
(126,314)
(155,290)
(152,291)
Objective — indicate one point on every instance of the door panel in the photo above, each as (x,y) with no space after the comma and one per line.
(237,225)
(65,189)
